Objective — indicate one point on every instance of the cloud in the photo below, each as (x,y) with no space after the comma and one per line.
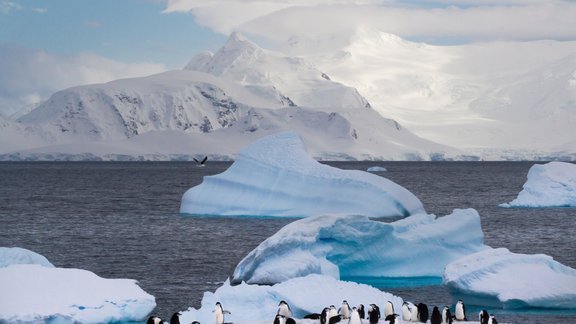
(434,20)
(30,76)
(6,7)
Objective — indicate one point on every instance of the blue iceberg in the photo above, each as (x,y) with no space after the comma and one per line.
(275,176)
(349,246)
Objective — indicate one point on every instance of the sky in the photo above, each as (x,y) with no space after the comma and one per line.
(49,45)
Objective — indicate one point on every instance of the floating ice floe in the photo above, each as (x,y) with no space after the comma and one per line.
(500,278)
(548,185)
(349,246)
(376,169)
(41,293)
(275,176)
(16,255)
(306,295)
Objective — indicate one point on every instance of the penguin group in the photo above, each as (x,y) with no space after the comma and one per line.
(357,315)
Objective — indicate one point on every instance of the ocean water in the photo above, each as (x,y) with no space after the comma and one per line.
(121,220)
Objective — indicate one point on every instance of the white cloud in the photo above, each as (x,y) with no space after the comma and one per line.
(6,7)
(462,19)
(30,76)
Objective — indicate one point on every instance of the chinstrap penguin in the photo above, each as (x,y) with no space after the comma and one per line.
(175,319)
(373,314)
(436,317)
(284,309)
(483,317)
(344,310)
(460,311)
(388,309)
(355,317)
(391,318)
(219,313)
(446,315)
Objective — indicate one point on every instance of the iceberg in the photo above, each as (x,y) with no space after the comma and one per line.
(549,185)
(376,169)
(500,278)
(349,246)
(34,293)
(17,255)
(305,295)
(275,176)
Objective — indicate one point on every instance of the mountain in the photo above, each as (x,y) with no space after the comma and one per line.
(219,103)
(501,96)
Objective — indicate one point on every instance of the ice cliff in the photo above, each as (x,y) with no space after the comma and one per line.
(356,246)
(549,185)
(275,176)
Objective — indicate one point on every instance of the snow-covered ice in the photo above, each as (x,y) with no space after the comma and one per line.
(34,293)
(275,176)
(347,246)
(376,169)
(17,255)
(500,278)
(305,295)
(549,185)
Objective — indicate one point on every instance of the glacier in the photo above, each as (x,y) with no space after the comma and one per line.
(35,291)
(500,278)
(255,303)
(351,246)
(548,185)
(276,177)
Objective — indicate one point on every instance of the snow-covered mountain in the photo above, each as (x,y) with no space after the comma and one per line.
(367,95)
(505,96)
(218,104)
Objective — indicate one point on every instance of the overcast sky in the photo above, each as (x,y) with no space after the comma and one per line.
(46,46)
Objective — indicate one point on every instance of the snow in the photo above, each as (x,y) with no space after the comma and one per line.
(549,185)
(500,278)
(39,292)
(17,255)
(276,177)
(348,246)
(255,303)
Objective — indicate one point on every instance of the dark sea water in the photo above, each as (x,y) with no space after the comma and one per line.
(121,220)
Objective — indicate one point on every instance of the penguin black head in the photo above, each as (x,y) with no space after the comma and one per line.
(175,319)
(391,318)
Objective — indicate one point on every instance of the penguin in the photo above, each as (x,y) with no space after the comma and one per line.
(355,317)
(219,313)
(388,309)
(281,319)
(361,311)
(422,312)
(314,316)
(414,314)
(374,314)
(446,315)
(436,317)
(175,319)
(201,163)
(325,315)
(391,318)
(492,320)
(344,310)
(460,311)
(154,320)
(483,316)
(284,309)
(406,312)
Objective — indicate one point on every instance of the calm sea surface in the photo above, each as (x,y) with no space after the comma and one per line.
(120,220)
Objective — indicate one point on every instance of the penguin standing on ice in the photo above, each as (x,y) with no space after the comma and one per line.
(414,314)
(154,320)
(219,313)
(436,317)
(388,309)
(422,312)
(325,315)
(345,310)
(373,314)
(492,320)
(446,315)
(361,311)
(284,309)
(354,317)
(175,319)
(460,311)
(483,317)
(406,312)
